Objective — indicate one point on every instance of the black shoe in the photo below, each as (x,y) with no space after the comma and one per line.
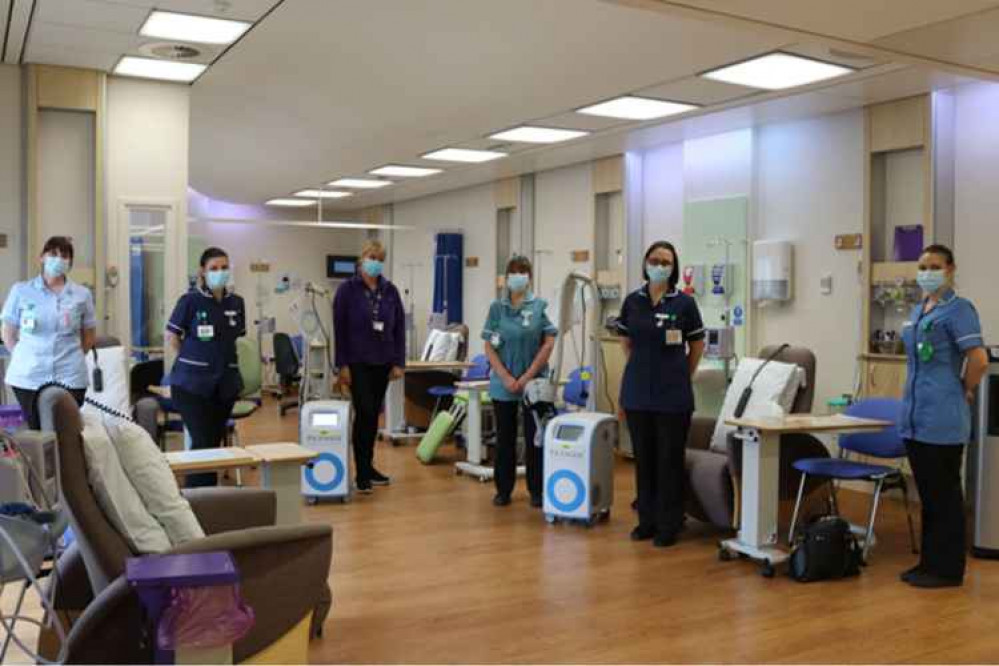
(642,533)
(907,575)
(536,502)
(379,479)
(364,487)
(664,540)
(925,580)
(501,500)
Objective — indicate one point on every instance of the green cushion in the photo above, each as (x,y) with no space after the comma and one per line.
(243,408)
(250,367)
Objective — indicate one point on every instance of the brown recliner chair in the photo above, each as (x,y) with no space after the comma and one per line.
(713,477)
(283,570)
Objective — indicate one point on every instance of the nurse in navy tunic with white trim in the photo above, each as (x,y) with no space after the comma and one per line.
(663,339)
(205,380)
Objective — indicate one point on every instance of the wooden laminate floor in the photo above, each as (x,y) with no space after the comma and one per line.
(428,571)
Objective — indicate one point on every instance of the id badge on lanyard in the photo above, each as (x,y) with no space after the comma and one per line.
(673,335)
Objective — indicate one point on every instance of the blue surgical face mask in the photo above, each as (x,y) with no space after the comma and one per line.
(931,281)
(372,267)
(518,282)
(55,267)
(217,279)
(658,274)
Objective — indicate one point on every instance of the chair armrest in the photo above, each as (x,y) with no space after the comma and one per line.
(72,585)
(283,573)
(701,430)
(146,413)
(111,630)
(227,509)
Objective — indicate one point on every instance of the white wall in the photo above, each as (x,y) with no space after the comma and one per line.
(301,252)
(718,166)
(11,176)
(147,161)
(810,187)
(976,233)
(471,211)
(662,173)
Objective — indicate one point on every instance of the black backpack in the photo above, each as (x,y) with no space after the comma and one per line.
(823,550)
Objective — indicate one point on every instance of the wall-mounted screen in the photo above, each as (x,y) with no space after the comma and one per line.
(340,266)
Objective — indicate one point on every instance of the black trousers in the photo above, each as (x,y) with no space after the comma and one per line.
(205,419)
(505,469)
(937,470)
(659,441)
(368,384)
(26,398)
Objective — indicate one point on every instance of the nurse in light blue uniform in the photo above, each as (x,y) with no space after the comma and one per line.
(48,326)
(942,337)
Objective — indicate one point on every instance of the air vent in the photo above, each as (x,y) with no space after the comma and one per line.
(167,51)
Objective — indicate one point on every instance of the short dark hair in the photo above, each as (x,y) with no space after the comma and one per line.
(61,244)
(212,253)
(519,264)
(663,245)
(942,250)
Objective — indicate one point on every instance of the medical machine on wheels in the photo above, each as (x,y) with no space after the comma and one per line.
(578,479)
(325,428)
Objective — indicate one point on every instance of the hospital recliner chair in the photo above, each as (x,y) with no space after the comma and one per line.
(283,569)
(714,478)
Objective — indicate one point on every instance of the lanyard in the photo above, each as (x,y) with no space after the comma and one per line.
(376,303)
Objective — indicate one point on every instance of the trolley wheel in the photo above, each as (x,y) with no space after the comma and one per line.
(312,501)
(767,569)
(550,519)
(345,499)
(605,515)
(591,521)
(724,555)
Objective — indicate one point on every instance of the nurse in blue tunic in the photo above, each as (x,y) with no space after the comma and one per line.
(946,360)
(663,338)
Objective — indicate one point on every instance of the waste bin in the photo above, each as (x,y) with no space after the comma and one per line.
(982,476)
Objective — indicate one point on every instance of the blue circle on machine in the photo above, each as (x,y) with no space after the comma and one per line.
(338,472)
(579,486)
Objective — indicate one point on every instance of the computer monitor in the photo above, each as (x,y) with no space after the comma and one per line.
(340,266)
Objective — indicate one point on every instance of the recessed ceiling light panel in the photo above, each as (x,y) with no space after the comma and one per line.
(165,70)
(403,171)
(777,71)
(323,194)
(463,155)
(191,28)
(532,134)
(360,183)
(291,203)
(631,107)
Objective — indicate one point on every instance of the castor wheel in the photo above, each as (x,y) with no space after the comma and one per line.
(345,499)
(767,570)
(605,516)
(312,501)
(724,555)
(550,519)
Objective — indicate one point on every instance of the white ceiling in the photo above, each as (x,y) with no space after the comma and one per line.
(94,34)
(322,89)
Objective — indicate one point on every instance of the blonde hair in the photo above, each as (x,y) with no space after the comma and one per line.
(374,247)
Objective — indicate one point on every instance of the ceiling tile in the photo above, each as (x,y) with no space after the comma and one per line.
(243,10)
(839,56)
(45,35)
(695,90)
(93,14)
(68,57)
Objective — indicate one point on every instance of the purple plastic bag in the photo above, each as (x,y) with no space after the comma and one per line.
(204,617)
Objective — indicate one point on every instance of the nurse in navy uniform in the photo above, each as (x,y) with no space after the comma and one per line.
(205,380)
(663,339)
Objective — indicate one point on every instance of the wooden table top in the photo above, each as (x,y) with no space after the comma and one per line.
(809,423)
(282,452)
(210,459)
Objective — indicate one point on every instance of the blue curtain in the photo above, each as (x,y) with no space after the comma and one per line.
(137,279)
(449,262)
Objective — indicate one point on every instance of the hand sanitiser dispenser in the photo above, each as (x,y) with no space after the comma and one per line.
(579,467)
(325,428)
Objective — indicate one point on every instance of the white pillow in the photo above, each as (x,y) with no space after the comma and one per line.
(115,494)
(428,346)
(150,474)
(114,368)
(778,383)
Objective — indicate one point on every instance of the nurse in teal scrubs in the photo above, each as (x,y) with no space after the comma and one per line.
(946,360)
(519,340)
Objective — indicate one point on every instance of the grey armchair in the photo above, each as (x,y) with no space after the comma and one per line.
(283,569)
(713,477)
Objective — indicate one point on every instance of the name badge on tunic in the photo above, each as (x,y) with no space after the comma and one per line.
(379,326)
(28,321)
(206,332)
(231,314)
(527,318)
(674,336)
(496,341)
